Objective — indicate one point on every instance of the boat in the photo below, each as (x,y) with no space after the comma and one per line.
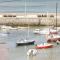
(45,31)
(49,31)
(45,45)
(53,31)
(36,31)
(31,52)
(5,29)
(53,38)
(25,42)
(56,37)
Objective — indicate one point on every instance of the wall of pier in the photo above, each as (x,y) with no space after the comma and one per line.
(30,18)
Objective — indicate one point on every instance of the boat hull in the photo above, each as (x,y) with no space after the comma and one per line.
(53,32)
(41,47)
(27,43)
(53,39)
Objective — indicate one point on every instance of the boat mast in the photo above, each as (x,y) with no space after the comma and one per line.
(56,15)
(26,19)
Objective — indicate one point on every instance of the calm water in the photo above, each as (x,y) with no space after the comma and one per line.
(20,53)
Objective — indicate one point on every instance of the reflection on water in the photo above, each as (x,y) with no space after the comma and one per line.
(45,54)
(20,53)
(31,58)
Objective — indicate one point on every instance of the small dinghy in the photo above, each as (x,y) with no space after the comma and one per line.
(36,31)
(32,52)
(25,42)
(45,45)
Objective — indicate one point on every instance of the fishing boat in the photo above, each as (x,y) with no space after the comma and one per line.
(45,45)
(25,42)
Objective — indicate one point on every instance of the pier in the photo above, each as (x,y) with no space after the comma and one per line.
(29,18)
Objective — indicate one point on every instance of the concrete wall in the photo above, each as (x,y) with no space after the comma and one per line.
(30,18)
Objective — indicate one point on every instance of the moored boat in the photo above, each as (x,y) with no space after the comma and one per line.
(53,31)
(25,42)
(46,31)
(36,31)
(45,45)
(49,31)
(53,38)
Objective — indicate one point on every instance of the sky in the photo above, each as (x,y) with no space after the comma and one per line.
(31,5)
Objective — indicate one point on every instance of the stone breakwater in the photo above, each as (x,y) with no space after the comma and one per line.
(30,18)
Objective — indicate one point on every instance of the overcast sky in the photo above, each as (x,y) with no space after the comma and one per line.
(32,5)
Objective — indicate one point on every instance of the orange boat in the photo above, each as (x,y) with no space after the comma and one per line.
(45,45)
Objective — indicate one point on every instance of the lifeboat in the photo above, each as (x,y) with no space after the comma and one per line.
(45,45)
(31,52)
(53,38)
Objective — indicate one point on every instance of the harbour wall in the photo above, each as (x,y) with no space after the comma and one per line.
(30,18)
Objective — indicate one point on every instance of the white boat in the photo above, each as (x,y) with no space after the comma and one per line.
(36,31)
(4,29)
(53,38)
(31,52)
(45,31)
(48,31)
(53,31)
